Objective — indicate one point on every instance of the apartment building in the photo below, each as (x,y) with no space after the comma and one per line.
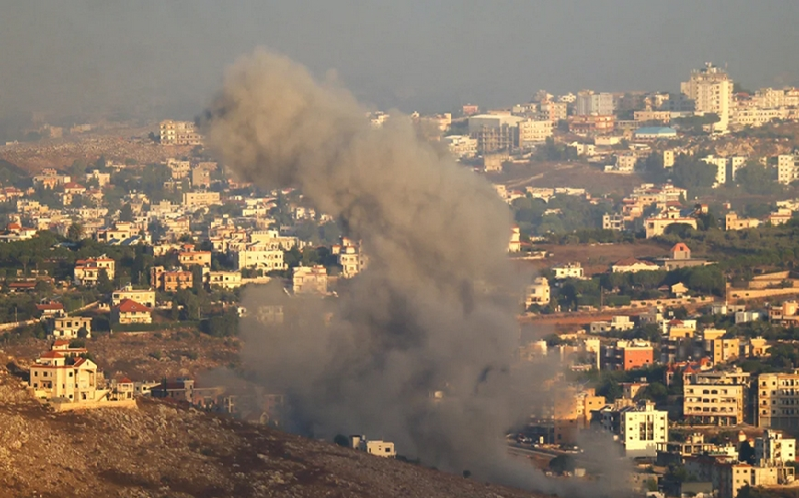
(224,279)
(310,280)
(778,401)
(716,397)
(461,146)
(655,226)
(87,271)
(589,103)
(533,132)
(52,377)
(628,355)
(711,90)
(258,255)
(200,199)
(180,169)
(643,429)
(787,168)
(733,222)
(68,327)
(569,270)
(143,296)
(170,280)
(188,259)
(179,133)
(538,293)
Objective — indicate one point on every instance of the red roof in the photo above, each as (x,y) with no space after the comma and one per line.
(73,185)
(60,342)
(124,380)
(680,247)
(131,306)
(49,306)
(52,354)
(13,226)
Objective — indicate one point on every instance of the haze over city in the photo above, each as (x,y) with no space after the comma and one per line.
(157,58)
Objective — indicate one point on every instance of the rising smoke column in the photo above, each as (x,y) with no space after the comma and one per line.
(434,310)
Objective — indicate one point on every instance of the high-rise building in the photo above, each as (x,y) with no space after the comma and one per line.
(588,102)
(711,90)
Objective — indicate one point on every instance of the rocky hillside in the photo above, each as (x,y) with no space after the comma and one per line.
(158,450)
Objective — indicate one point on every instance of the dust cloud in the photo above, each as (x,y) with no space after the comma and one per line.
(434,311)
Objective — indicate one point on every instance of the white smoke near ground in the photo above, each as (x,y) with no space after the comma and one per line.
(434,311)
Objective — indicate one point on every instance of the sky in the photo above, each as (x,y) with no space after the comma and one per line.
(160,59)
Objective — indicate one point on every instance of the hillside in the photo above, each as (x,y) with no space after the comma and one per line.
(158,450)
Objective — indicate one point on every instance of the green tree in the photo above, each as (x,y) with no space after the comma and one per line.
(126,213)
(757,179)
(691,173)
(746,453)
(75,232)
(104,284)
(342,440)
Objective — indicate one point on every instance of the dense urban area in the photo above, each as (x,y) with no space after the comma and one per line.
(659,233)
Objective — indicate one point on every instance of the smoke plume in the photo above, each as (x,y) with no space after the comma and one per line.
(434,311)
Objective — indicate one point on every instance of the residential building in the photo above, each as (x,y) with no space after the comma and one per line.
(721,168)
(655,226)
(626,162)
(515,243)
(651,134)
(729,478)
(613,222)
(787,168)
(379,448)
(188,259)
(68,327)
(87,271)
(723,350)
(590,103)
(461,146)
(170,280)
(643,429)
(619,323)
(142,296)
(129,312)
(55,376)
(200,177)
(350,257)
(102,179)
(772,449)
(717,398)
(495,132)
(224,279)
(180,169)
(200,199)
(711,90)
(569,270)
(537,293)
(310,279)
(593,124)
(778,401)
(733,222)
(629,355)
(533,132)
(179,133)
(632,265)
(49,310)
(258,255)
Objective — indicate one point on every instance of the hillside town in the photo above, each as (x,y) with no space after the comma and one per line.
(657,229)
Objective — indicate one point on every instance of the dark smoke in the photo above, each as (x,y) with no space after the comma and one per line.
(433,312)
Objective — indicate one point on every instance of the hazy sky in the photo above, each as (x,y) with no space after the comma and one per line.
(164,57)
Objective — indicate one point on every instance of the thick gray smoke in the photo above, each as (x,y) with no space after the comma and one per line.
(435,309)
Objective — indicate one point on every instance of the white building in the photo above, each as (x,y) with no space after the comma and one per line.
(533,132)
(721,168)
(461,146)
(588,103)
(617,323)
(787,168)
(310,280)
(569,270)
(711,90)
(774,450)
(264,256)
(642,429)
(537,293)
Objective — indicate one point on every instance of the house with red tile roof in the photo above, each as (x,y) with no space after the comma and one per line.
(56,375)
(129,311)
(87,271)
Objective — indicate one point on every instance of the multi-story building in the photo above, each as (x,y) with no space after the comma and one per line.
(711,90)
(170,281)
(643,429)
(778,401)
(613,222)
(179,133)
(619,323)
(143,296)
(718,398)
(655,226)
(495,132)
(589,103)
(188,259)
(533,132)
(180,169)
(129,312)
(723,350)
(787,168)
(200,199)
(88,271)
(224,279)
(568,270)
(772,449)
(461,146)
(260,256)
(53,377)
(629,355)
(538,293)
(350,257)
(69,327)
(310,280)
(721,168)
(593,124)
(733,222)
